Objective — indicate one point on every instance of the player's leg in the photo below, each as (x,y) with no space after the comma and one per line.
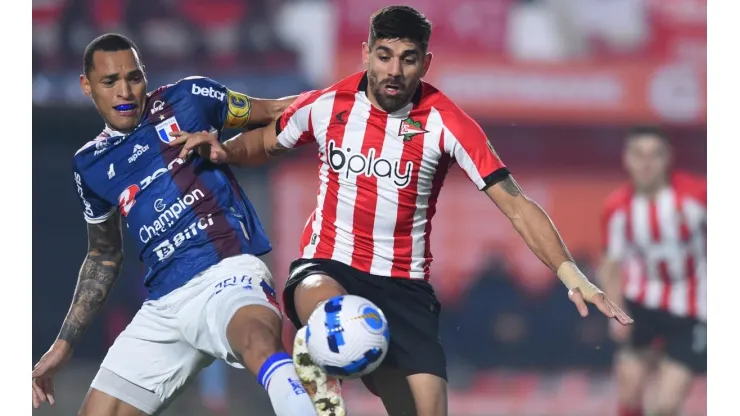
(145,368)
(632,369)
(310,284)
(412,395)
(632,362)
(412,379)
(99,403)
(685,356)
(235,317)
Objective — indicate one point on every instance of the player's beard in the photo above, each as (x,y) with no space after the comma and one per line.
(389,103)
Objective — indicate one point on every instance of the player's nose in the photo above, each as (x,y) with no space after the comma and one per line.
(394,68)
(125,91)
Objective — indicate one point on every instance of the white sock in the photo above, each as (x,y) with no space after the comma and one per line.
(287,395)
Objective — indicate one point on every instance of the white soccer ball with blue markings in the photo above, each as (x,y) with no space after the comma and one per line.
(347,336)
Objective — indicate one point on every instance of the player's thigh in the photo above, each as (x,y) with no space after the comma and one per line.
(413,395)
(413,313)
(149,363)
(234,312)
(673,383)
(98,403)
(311,282)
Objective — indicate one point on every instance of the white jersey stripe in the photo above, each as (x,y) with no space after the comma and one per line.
(320,116)
(429,166)
(354,133)
(386,212)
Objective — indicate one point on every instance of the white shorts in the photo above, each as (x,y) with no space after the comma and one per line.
(172,338)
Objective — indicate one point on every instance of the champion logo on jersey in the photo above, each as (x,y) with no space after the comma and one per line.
(410,128)
(138,151)
(111,171)
(165,128)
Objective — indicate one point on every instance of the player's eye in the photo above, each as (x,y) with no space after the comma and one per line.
(136,78)
(108,82)
(410,61)
(384,58)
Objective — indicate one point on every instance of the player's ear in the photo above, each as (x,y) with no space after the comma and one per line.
(85,85)
(427,63)
(365,53)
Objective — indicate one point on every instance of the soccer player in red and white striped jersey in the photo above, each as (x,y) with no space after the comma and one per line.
(385,142)
(655,266)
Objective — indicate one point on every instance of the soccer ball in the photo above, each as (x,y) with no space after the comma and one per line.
(347,336)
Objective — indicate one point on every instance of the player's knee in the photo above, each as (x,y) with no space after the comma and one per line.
(667,408)
(254,333)
(313,290)
(430,394)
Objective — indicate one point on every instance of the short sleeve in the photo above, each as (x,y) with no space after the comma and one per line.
(466,142)
(222,107)
(95,208)
(294,127)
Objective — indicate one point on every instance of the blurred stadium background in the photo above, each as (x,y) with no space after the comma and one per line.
(554,83)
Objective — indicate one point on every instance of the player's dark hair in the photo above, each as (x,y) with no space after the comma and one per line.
(647,130)
(400,22)
(110,42)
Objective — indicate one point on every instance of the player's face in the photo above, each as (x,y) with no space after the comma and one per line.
(647,160)
(394,69)
(117,86)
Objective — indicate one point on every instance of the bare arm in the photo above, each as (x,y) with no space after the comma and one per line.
(531,222)
(254,147)
(265,111)
(97,275)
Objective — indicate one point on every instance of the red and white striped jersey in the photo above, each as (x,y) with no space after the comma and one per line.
(380,173)
(662,244)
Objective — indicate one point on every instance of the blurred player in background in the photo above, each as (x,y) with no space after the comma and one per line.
(209,295)
(655,267)
(386,141)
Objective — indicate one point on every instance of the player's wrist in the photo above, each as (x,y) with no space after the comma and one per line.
(572,277)
(63,345)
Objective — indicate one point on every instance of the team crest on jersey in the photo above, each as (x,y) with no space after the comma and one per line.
(410,128)
(165,128)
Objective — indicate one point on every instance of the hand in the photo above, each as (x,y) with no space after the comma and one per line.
(592,294)
(42,377)
(619,333)
(206,144)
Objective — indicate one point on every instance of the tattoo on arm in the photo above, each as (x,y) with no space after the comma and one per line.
(97,276)
(277,150)
(510,186)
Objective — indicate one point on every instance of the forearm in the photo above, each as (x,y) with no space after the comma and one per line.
(540,234)
(265,111)
(97,275)
(246,149)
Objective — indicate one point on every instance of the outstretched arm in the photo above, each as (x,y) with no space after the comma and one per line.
(540,234)
(97,275)
(264,111)
(254,147)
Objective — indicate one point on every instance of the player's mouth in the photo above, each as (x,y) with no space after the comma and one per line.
(392,89)
(126,110)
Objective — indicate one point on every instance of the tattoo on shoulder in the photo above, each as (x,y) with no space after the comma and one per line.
(96,278)
(277,150)
(510,186)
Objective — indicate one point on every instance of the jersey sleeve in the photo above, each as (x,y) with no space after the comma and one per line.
(466,142)
(95,208)
(294,127)
(223,107)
